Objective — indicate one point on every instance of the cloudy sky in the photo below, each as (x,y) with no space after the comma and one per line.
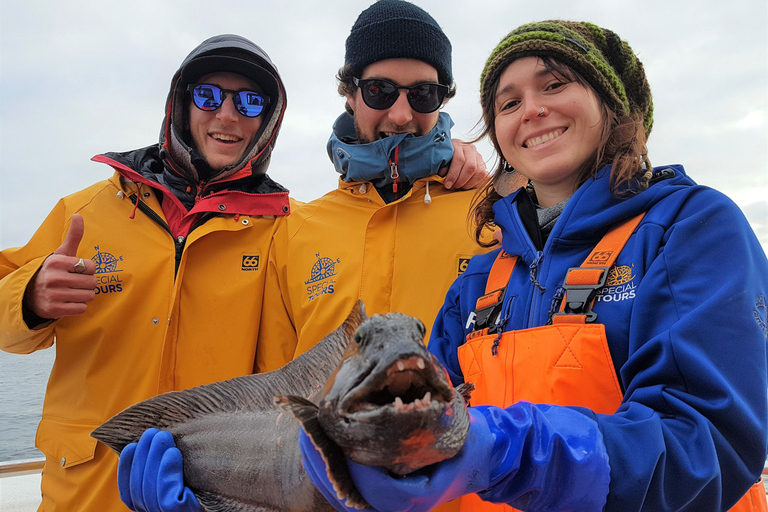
(80,77)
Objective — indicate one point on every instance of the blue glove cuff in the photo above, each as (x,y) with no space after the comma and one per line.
(150,476)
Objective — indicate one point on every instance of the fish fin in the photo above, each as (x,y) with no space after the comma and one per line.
(298,405)
(357,315)
(465,390)
(213,502)
(337,470)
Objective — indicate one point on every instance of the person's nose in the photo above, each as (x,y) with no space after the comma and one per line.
(400,112)
(533,108)
(228,112)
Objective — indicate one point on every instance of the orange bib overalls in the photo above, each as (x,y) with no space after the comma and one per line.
(565,363)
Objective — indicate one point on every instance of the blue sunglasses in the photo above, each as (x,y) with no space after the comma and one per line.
(209,97)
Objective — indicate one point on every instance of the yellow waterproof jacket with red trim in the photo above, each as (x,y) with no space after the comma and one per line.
(350,245)
(177,304)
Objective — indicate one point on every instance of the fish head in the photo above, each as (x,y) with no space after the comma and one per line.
(390,402)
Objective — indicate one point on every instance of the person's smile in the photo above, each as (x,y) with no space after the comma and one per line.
(542,138)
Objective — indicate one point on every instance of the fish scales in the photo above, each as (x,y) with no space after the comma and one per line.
(240,452)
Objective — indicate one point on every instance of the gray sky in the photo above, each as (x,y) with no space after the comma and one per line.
(80,77)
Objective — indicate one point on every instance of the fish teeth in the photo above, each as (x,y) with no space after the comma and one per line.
(419,403)
(420,363)
(400,366)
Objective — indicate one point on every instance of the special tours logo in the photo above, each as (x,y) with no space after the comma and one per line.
(107,272)
(321,275)
(618,285)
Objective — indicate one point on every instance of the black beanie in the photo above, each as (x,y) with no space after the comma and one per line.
(395,29)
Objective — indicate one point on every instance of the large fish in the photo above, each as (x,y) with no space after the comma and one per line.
(369,390)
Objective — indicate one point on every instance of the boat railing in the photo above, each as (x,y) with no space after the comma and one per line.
(21,467)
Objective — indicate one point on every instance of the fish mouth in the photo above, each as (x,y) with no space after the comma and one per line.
(407,385)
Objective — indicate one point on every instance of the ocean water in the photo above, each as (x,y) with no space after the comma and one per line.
(22,387)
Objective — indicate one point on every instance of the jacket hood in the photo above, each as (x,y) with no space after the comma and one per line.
(223,53)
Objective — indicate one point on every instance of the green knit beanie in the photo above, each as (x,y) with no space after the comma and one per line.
(606,62)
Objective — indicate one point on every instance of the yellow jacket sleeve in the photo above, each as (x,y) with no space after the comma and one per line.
(277,332)
(17,267)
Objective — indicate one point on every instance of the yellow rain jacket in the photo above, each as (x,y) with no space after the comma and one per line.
(149,330)
(178,299)
(349,245)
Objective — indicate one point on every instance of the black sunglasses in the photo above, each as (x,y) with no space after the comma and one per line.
(210,97)
(380,94)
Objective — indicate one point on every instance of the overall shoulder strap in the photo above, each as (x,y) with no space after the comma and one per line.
(581,283)
(488,306)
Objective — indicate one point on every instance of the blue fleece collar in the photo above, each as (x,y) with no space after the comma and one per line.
(418,157)
(590,211)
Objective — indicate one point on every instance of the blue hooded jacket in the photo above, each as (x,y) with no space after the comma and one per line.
(686,329)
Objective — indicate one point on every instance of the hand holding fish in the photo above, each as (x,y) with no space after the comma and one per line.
(524,437)
(150,475)
(467,472)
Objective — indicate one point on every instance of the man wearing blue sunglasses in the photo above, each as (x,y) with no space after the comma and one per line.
(150,281)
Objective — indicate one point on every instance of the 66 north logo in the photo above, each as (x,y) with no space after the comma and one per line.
(250,262)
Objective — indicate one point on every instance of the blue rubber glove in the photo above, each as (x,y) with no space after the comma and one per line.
(418,491)
(531,457)
(314,465)
(150,475)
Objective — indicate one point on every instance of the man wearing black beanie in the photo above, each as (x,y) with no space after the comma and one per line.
(391,234)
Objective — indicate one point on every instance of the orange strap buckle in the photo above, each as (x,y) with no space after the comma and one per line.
(581,285)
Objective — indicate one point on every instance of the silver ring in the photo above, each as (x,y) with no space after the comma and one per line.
(541,112)
(80,266)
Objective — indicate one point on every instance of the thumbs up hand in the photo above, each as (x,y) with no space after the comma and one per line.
(65,282)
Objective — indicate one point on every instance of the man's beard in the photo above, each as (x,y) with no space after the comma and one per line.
(379,134)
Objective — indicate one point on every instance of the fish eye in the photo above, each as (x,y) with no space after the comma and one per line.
(358,338)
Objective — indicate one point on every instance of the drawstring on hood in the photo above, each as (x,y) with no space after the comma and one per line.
(138,199)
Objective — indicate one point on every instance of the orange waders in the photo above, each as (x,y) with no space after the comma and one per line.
(565,363)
